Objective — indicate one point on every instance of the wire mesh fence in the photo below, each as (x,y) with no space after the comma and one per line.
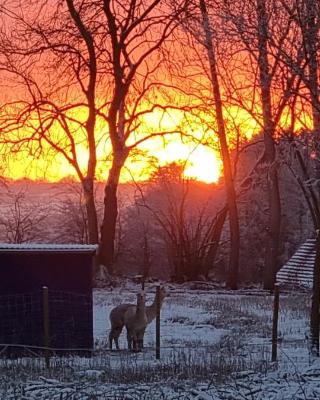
(70,333)
(21,318)
(185,362)
(23,327)
(190,354)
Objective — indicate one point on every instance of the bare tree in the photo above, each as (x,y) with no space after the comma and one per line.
(310,28)
(90,71)
(189,232)
(54,73)
(304,62)
(261,32)
(137,36)
(22,221)
(269,157)
(199,70)
(308,20)
(298,160)
(232,280)
(71,215)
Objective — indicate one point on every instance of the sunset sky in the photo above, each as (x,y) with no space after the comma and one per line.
(202,162)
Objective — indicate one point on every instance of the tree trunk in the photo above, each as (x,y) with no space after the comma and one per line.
(90,92)
(216,235)
(232,277)
(108,227)
(273,228)
(179,270)
(93,234)
(310,32)
(314,316)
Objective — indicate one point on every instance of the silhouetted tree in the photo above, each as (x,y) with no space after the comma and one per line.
(185,226)
(21,220)
(87,74)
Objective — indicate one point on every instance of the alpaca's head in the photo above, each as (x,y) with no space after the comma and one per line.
(141,299)
(162,293)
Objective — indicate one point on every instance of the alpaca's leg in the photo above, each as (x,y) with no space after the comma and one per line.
(116,340)
(140,338)
(114,335)
(129,339)
(135,342)
(110,340)
(132,339)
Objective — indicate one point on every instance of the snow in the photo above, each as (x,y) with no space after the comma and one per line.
(249,385)
(213,346)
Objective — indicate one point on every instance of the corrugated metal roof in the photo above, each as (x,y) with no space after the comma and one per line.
(299,269)
(47,247)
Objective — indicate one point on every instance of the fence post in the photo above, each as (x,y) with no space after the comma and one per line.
(45,301)
(275,323)
(158,307)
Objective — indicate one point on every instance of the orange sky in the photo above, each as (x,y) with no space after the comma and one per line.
(202,163)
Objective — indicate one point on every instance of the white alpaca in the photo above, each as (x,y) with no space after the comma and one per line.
(117,318)
(135,320)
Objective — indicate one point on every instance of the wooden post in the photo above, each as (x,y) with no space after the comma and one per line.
(275,323)
(45,301)
(158,323)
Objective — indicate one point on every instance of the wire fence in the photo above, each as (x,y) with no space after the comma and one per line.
(70,333)
(21,318)
(183,361)
(95,372)
(23,324)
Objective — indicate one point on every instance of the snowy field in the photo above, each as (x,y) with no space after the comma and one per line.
(214,345)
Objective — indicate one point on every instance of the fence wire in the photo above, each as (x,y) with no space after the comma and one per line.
(69,314)
(21,318)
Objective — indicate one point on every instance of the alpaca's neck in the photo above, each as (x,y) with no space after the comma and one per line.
(141,310)
(152,309)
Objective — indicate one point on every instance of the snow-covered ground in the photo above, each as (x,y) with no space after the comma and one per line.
(214,345)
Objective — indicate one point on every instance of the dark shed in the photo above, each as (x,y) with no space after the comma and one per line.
(67,272)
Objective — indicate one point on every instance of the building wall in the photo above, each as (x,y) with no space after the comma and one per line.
(68,277)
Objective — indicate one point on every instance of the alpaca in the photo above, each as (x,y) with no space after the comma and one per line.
(135,320)
(117,318)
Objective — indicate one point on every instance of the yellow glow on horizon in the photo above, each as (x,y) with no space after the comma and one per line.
(202,163)
(205,166)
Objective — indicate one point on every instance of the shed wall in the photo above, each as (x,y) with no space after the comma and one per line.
(68,277)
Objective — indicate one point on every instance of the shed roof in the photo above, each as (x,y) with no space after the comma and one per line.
(47,247)
(299,269)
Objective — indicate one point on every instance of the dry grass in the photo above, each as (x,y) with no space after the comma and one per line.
(243,318)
